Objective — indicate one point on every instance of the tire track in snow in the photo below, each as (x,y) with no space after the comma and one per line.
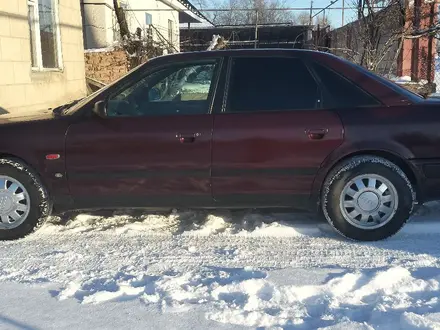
(53,257)
(181,261)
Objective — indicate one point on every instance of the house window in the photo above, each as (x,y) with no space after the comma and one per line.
(44,34)
(170,31)
(148,19)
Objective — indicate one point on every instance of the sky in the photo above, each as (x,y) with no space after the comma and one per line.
(335,15)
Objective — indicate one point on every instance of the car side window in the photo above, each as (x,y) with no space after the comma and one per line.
(271,84)
(176,90)
(344,93)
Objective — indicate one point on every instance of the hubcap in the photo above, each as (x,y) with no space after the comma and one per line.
(369,201)
(14,203)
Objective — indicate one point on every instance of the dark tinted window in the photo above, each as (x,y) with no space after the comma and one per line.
(264,84)
(343,92)
(388,83)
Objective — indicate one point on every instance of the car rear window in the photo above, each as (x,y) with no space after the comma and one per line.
(343,93)
(413,97)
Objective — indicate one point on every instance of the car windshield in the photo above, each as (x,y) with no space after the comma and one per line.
(83,101)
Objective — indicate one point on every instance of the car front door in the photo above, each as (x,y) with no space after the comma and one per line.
(154,146)
(272,134)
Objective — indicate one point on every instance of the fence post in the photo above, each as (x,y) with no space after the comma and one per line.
(429,73)
(256,29)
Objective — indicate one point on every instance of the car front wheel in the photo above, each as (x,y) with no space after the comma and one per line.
(24,202)
(367,198)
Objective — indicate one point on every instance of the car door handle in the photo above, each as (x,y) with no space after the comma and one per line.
(316,134)
(187,138)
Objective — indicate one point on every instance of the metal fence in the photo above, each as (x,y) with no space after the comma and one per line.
(331,29)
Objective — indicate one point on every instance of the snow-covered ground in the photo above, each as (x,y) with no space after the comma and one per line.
(219,270)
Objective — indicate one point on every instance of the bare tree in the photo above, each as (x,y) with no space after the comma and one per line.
(380,31)
(261,11)
(322,21)
(375,39)
(122,20)
(140,48)
(303,18)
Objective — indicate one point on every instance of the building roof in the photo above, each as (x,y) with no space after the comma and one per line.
(197,25)
(183,16)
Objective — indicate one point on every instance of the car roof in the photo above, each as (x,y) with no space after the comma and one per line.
(237,52)
(255,50)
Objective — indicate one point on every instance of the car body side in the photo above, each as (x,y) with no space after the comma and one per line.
(402,129)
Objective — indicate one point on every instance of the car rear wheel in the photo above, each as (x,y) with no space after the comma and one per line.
(367,198)
(24,202)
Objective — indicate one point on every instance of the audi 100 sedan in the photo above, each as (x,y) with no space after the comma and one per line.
(229,129)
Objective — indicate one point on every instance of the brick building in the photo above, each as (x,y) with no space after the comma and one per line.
(417,58)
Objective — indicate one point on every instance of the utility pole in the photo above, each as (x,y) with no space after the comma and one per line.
(311,12)
(256,29)
(343,8)
(323,9)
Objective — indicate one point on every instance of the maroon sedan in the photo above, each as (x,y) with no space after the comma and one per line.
(230,129)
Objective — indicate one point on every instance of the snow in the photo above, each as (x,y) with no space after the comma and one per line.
(196,88)
(99,50)
(219,270)
(198,25)
(406,80)
(437,73)
(403,79)
(399,80)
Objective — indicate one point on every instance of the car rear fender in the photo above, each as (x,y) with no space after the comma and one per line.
(395,153)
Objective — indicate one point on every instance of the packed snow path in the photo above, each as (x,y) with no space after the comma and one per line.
(219,270)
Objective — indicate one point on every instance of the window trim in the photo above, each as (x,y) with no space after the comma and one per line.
(147,14)
(36,23)
(171,31)
(226,100)
(218,61)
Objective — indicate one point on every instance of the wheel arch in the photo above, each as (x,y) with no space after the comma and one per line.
(29,165)
(9,155)
(36,189)
(18,158)
(398,160)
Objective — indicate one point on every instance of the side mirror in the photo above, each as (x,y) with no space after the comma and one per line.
(100,109)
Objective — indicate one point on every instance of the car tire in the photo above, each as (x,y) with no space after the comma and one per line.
(24,202)
(367,198)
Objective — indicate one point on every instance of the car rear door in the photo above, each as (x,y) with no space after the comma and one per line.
(272,134)
(154,146)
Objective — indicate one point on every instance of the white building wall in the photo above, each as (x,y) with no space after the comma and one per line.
(99,23)
(101,30)
(161,13)
(24,90)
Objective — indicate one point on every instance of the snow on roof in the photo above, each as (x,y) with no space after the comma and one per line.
(201,25)
(99,50)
